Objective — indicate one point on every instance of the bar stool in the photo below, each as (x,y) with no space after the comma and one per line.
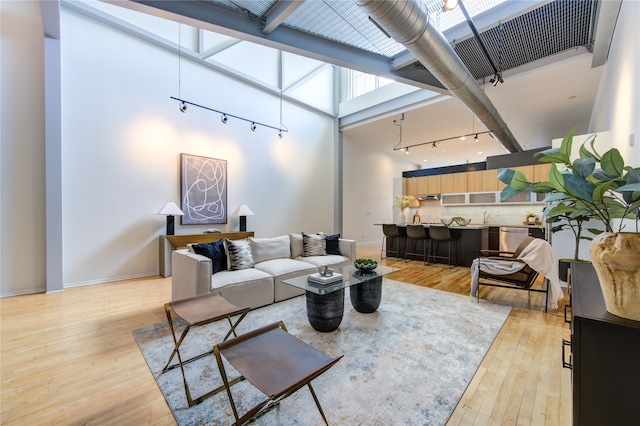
(439,234)
(416,233)
(390,231)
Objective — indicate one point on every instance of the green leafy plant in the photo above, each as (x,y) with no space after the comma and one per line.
(404,201)
(578,190)
(366,261)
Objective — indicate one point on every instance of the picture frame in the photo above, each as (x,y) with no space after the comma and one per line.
(203,190)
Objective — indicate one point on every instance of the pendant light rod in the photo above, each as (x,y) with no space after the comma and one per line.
(396,148)
(224,114)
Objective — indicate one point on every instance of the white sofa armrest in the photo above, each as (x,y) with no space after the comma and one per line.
(191,275)
(347,248)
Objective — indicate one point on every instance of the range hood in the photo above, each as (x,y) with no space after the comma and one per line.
(423,197)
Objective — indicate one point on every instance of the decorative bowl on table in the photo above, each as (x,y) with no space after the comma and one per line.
(446,222)
(365,264)
(461,221)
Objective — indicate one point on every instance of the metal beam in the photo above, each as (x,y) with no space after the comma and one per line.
(278,13)
(152,38)
(210,16)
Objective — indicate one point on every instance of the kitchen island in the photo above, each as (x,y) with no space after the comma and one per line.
(469,240)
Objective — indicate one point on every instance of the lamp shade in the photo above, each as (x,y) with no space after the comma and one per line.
(171,209)
(242,210)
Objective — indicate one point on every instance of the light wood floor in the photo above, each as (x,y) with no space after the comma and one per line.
(69,358)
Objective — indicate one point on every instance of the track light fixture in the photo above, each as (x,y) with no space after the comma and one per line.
(434,144)
(406,151)
(225,116)
(475,138)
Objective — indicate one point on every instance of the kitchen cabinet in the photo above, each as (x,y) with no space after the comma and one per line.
(446,183)
(460,182)
(423,185)
(604,347)
(411,186)
(490,180)
(475,181)
(541,172)
(433,184)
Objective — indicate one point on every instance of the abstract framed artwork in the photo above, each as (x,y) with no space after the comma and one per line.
(203,190)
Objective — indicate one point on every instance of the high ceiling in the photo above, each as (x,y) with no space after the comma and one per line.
(546,50)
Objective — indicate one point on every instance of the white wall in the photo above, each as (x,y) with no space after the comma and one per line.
(368,189)
(22,205)
(617,106)
(122,138)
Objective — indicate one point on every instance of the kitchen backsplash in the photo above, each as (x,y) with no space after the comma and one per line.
(433,211)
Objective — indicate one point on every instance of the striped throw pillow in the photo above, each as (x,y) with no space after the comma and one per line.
(239,254)
(313,245)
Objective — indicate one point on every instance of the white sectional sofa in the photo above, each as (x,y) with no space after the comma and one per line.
(255,279)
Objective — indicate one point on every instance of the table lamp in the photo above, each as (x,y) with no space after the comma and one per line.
(243,211)
(170,209)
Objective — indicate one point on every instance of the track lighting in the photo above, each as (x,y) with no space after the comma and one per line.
(280,135)
(434,144)
(224,117)
(475,138)
(406,151)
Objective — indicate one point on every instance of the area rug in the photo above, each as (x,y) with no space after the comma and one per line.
(407,363)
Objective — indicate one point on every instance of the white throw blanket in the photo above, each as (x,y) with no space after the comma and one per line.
(538,254)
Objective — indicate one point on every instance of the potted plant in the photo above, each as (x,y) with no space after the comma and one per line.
(404,202)
(610,194)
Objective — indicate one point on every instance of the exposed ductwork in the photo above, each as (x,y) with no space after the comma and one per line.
(408,23)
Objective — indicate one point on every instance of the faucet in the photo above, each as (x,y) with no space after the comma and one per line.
(485,217)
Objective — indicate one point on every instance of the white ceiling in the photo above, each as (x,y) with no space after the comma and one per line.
(538,106)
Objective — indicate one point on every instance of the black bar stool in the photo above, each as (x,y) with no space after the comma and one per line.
(390,231)
(439,234)
(416,233)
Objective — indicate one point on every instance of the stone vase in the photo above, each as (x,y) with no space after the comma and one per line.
(616,259)
(403,216)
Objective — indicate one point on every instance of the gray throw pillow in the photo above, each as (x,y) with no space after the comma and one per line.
(239,254)
(313,245)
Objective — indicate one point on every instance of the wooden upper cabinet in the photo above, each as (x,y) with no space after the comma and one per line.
(541,172)
(490,180)
(475,181)
(423,185)
(460,182)
(411,186)
(446,184)
(433,184)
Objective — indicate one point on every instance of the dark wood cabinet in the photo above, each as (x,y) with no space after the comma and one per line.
(605,350)
(494,238)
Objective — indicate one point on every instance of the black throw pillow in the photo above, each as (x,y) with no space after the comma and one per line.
(215,252)
(332,243)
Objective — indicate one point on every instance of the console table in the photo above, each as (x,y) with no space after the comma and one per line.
(605,348)
(168,243)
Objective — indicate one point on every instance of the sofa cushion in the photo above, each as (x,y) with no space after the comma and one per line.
(239,254)
(279,267)
(214,251)
(296,245)
(332,245)
(263,249)
(328,260)
(313,245)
